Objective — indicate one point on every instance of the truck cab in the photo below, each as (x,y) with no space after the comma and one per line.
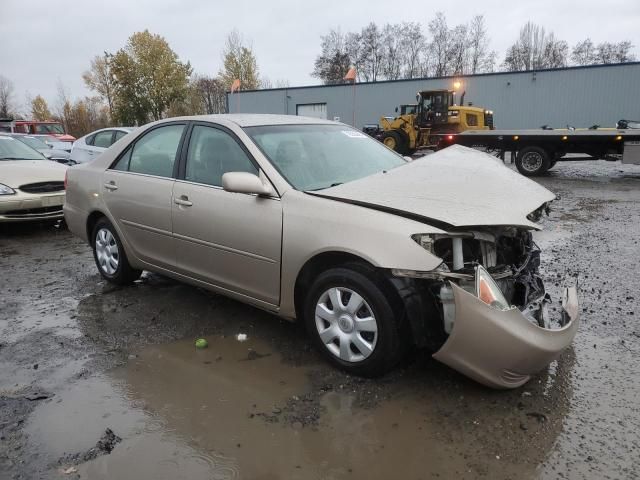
(50,128)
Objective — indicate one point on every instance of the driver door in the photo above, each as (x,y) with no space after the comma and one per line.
(230,240)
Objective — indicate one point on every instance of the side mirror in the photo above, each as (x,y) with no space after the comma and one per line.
(396,109)
(244,182)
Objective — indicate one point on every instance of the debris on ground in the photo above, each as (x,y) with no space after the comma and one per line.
(104,446)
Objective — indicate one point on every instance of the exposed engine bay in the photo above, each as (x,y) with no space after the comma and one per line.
(511,260)
(509,255)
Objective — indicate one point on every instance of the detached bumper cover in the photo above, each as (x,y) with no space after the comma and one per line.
(502,349)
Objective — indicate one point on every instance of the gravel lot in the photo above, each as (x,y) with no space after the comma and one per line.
(98,382)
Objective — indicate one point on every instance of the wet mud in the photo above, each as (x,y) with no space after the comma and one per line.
(80,359)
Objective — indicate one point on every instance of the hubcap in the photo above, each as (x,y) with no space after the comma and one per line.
(390,142)
(107,251)
(531,161)
(346,324)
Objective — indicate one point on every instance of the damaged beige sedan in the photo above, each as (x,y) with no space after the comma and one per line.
(317,222)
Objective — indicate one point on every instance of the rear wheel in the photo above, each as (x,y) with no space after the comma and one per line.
(110,256)
(349,317)
(532,161)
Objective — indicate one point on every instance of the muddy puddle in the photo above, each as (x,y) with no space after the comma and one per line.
(235,410)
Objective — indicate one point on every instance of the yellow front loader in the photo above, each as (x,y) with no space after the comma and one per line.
(422,125)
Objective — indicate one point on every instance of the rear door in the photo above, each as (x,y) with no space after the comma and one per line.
(138,192)
(231,240)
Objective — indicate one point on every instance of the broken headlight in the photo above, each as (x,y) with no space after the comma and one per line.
(488,291)
(536,215)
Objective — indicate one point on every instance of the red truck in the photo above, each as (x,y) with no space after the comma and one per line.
(52,128)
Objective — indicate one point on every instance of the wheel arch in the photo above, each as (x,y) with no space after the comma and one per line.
(92,219)
(319,263)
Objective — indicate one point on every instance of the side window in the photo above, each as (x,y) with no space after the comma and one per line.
(119,135)
(154,153)
(103,139)
(89,140)
(212,153)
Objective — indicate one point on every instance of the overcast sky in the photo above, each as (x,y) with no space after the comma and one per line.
(43,42)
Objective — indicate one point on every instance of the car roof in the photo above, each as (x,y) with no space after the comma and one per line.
(260,119)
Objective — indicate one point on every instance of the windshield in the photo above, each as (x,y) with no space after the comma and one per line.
(48,128)
(12,149)
(313,157)
(33,142)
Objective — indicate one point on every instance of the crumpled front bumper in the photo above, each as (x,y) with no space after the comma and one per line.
(501,348)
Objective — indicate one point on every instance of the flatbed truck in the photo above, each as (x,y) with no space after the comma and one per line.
(537,150)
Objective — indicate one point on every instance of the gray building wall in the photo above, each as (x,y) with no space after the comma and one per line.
(577,96)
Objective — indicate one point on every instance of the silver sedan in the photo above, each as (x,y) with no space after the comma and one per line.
(317,222)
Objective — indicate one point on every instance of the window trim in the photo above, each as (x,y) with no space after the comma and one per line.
(176,162)
(185,152)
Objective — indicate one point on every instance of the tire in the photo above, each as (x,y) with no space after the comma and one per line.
(110,256)
(394,141)
(532,161)
(362,348)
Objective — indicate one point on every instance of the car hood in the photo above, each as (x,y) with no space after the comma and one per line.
(56,153)
(455,187)
(15,173)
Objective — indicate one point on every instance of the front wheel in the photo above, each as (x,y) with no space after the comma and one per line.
(394,141)
(110,256)
(350,318)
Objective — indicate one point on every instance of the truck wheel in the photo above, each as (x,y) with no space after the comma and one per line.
(394,141)
(532,161)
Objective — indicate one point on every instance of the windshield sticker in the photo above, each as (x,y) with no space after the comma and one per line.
(353,134)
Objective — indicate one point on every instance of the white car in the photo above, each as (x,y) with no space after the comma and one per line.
(90,146)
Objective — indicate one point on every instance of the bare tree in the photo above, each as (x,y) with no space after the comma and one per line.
(392,58)
(100,79)
(481,59)
(412,46)
(458,50)
(555,53)
(213,94)
(372,52)
(6,97)
(353,48)
(584,53)
(440,45)
(620,52)
(535,49)
(333,62)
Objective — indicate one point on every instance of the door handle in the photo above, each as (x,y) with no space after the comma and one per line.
(183,200)
(111,186)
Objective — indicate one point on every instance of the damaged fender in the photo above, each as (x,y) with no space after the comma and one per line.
(501,348)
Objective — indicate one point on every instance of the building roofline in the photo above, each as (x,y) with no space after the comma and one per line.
(417,79)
